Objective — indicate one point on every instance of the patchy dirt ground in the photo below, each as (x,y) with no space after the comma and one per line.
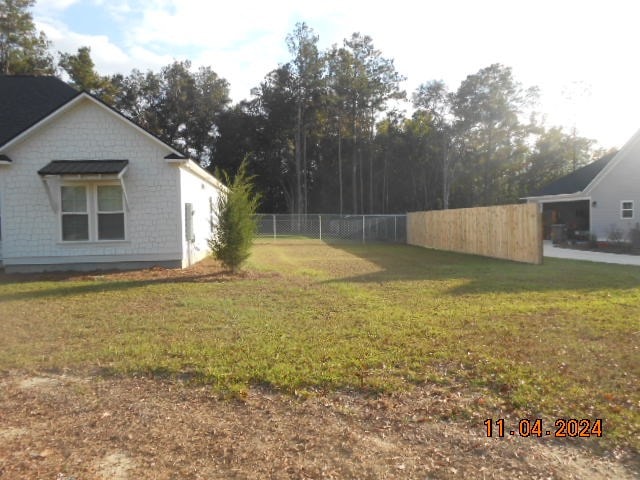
(207,270)
(61,427)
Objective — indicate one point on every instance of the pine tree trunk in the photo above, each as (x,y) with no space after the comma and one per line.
(384,198)
(361,181)
(445,178)
(305,184)
(370,151)
(298,161)
(370,181)
(354,169)
(340,167)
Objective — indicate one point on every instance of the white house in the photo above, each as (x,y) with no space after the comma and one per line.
(82,187)
(600,198)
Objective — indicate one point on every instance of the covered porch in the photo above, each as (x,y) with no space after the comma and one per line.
(575,215)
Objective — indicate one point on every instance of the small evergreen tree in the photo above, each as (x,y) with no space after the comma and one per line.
(236,220)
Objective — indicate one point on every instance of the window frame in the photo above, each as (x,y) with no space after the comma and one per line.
(91,189)
(110,212)
(85,213)
(623,209)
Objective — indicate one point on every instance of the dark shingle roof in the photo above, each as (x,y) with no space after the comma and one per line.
(25,100)
(175,156)
(576,181)
(83,167)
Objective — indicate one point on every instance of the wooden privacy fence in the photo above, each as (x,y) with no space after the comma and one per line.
(512,232)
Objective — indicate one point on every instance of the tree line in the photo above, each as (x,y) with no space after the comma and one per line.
(327,131)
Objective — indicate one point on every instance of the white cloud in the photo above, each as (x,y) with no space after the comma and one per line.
(242,41)
(212,24)
(55,5)
(108,57)
(548,43)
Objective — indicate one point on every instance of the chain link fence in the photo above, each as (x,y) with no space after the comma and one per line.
(333,227)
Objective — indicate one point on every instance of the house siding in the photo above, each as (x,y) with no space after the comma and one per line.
(198,192)
(621,183)
(88,131)
(3,171)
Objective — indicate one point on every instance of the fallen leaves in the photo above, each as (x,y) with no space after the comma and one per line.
(141,428)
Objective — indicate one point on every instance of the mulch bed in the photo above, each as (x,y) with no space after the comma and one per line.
(205,271)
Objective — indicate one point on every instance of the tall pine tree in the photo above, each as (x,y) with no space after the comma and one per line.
(23,50)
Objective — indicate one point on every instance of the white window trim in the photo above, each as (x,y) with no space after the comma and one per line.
(86,212)
(98,212)
(622,209)
(91,189)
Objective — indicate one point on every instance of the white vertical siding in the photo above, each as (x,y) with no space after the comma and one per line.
(199,192)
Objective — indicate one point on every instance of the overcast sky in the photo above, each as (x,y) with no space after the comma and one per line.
(582,54)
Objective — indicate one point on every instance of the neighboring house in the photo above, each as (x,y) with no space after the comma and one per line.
(600,198)
(82,187)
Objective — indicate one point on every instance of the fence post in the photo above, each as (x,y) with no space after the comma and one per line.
(274,226)
(363,229)
(320,222)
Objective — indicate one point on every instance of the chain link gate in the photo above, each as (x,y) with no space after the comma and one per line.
(334,227)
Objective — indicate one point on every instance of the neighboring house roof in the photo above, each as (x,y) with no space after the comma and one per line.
(576,181)
(83,167)
(25,100)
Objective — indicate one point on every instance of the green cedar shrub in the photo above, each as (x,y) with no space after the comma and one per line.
(231,244)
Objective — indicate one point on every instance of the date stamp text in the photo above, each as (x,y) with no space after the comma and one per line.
(562,428)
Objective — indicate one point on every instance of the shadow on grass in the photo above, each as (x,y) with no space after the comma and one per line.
(486,275)
(397,263)
(87,284)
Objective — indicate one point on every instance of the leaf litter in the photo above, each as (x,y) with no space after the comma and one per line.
(71,428)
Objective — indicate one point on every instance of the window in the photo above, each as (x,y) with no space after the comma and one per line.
(92,212)
(626,209)
(75,219)
(110,213)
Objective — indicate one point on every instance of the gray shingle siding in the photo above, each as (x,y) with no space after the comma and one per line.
(621,183)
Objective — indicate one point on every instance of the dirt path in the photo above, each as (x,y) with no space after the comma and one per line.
(64,428)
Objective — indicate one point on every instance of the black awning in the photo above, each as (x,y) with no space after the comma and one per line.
(175,156)
(84,167)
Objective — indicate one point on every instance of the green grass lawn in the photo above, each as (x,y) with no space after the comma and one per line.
(559,340)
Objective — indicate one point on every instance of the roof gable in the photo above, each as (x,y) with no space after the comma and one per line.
(629,148)
(26,100)
(55,97)
(576,181)
(86,97)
